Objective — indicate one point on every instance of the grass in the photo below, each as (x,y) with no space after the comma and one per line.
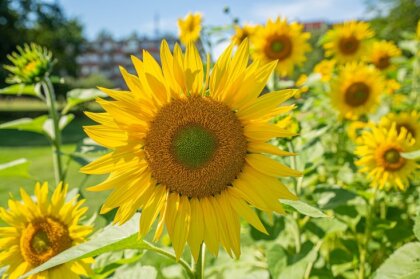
(17,144)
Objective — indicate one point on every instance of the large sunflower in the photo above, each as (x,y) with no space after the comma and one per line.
(39,229)
(356,90)
(189,153)
(348,41)
(380,151)
(281,41)
(189,28)
(408,120)
(381,54)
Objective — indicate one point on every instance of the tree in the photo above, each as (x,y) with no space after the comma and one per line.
(25,21)
(391,17)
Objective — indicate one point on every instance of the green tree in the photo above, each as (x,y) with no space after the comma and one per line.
(392,17)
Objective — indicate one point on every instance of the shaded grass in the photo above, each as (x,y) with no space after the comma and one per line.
(17,144)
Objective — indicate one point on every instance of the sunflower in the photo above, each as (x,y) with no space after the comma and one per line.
(243,32)
(187,147)
(355,128)
(380,151)
(40,229)
(325,68)
(356,90)
(381,54)
(189,28)
(281,41)
(407,120)
(348,41)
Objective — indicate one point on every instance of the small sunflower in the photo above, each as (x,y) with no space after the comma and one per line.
(380,157)
(355,128)
(188,147)
(241,33)
(381,54)
(407,120)
(189,28)
(302,84)
(325,68)
(281,41)
(38,229)
(348,41)
(356,90)
(30,64)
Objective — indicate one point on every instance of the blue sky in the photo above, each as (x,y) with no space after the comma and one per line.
(122,17)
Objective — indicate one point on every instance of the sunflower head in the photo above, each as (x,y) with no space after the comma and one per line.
(381,54)
(348,41)
(356,90)
(243,32)
(410,121)
(187,147)
(380,157)
(281,41)
(355,128)
(325,68)
(38,229)
(30,64)
(189,28)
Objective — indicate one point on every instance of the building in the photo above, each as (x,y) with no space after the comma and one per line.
(104,55)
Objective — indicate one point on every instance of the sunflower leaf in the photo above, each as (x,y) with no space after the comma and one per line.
(403,263)
(21,89)
(305,208)
(35,125)
(411,155)
(17,167)
(112,238)
(79,96)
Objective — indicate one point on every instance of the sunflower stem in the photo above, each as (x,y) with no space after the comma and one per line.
(169,255)
(370,207)
(56,133)
(198,268)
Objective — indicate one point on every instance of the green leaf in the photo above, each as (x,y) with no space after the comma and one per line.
(410,46)
(112,238)
(65,120)
(35,125)
(305,208)
(402,264)
(417,226)
(411,155)
(79,96)
(276,260)
(19,167)
(21,89)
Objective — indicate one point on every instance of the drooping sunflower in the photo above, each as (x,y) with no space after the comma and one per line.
(243,32)
(381,54)
(380,157)
(281,41)
(407,120)
(325,68)
(348,41)
(189,28)
(188,147)
(39,229)
(356,90)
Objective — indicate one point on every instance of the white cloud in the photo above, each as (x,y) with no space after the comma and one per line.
(306,10)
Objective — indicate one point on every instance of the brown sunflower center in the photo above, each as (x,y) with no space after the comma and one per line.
(383,62)
(195,146)
(349,45)
(279,47)
(393,160)
(43,239)
(357,94)
(407,127)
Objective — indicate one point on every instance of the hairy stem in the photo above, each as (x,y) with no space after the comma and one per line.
(56,133)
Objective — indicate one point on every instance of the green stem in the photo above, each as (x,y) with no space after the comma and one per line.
(165,253)
(363,248)
(275,81)
(199,266)
(56,133)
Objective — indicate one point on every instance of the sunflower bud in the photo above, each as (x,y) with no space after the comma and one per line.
(30,64)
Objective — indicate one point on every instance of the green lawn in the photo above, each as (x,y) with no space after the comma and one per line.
(35,148)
